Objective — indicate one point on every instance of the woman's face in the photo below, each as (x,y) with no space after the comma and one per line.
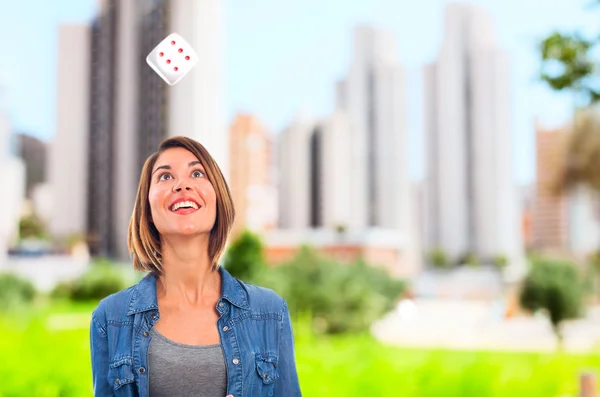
(182,200)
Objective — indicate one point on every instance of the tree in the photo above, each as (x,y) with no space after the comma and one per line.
(245,257)
(556,288)
(569,63)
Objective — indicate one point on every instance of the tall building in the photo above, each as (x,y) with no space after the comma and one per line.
(131,110)
(33,152)
(549,223)
(101,137)
(68,167)
(343,180)
(331,176)
(315,174)
(567,222)
(196,103)
(472,198)
(13,183)
(294,174)
(372,95)
(584,222)
(251,169)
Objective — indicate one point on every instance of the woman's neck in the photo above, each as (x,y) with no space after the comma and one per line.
(188,277)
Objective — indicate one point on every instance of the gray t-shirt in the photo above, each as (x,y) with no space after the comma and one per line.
(179,370)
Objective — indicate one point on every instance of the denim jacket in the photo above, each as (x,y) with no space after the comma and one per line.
(254,325)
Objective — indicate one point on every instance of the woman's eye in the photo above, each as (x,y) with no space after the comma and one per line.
(197,174)
(163,177)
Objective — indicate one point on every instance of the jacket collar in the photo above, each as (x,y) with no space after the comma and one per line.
(143,297)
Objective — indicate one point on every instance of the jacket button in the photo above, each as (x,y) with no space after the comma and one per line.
(221,304)
(225,328)
(236,361)
(141,370)
(117,382)
(146,334)
(154,316)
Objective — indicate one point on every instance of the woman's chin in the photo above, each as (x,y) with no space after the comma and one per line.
(184,231)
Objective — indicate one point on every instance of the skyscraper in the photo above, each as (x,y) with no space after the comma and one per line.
(294,176)
(315,174)
(343,179)
(251,169)
(68,158)
(13,183)
(472,198)
(372,95)
(549,212)
(561,221)
(33,151)
(131,109)
(196,103)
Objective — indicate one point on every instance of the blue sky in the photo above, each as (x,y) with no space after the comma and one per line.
(282,56)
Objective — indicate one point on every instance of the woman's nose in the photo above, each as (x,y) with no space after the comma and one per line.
(181,185)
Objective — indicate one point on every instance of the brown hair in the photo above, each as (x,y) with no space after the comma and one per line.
(143,239)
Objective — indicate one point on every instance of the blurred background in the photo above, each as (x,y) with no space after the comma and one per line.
(419,180)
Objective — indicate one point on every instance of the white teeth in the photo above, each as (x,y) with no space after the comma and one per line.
(186,204)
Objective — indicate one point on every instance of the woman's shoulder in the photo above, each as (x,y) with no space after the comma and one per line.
(114,306)
(263,299)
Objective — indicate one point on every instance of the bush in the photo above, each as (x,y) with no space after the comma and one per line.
(31,226)
(339,297)
(556,288)
(15,291)
(245,258)
(102,279)
(438,259)
(468,259)
(500,261)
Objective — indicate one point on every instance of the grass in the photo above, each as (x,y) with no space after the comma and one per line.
(359,366)
(45,353)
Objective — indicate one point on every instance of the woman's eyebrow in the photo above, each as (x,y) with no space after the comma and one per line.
(168,167)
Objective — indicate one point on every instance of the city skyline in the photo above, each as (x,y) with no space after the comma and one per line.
(256,77)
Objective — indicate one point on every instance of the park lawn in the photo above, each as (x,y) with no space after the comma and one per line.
(45,353)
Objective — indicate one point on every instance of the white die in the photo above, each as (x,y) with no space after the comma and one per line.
(172,58)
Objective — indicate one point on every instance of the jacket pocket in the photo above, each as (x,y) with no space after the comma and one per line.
(266,366)
(120,373)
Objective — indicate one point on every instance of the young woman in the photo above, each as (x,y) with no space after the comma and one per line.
(188,328)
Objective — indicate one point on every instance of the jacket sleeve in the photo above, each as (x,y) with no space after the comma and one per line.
(99,353)
(287,384)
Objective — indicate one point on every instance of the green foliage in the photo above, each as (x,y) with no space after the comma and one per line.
(556,288)
(15,291)
(468,259)
(594,261)
(245,258)
(500,261)
(100,280)
(340,297)
(438,259)
(31,226)
(568,64)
